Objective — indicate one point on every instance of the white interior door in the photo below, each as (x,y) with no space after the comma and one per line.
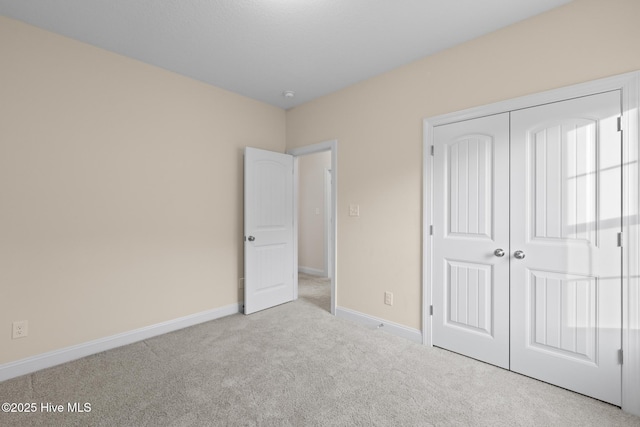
(268,229)
(471,238)
(565,219)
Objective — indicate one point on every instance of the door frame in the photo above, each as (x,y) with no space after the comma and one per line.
(629,85)
(331,146)
(328,219)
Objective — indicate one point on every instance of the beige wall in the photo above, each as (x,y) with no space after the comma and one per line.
(120,186)
(378,125)
(311,210)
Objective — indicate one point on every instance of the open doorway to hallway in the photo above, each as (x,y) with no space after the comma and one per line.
(313,216)
(330,147)
(314,228)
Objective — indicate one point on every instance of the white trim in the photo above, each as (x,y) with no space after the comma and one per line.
(296,211)
(312,271)
(427,213)
(631,250)
(311,149)
(629,85)
(327,222)
(57,357)
(375,322)
(554,95)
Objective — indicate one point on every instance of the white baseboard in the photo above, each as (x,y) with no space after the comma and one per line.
(393,328)
(312,271)
(57,357)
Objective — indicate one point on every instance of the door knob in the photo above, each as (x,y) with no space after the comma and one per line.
(518,254)
(251,238)
(499,253)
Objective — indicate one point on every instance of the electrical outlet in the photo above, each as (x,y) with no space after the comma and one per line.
(20,329)
(388,298)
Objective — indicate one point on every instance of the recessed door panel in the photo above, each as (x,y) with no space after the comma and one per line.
(469,165)
(271,262)
(563,315)
(271,182)
(563,161)
(469,296)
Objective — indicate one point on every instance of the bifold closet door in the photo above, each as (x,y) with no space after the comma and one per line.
(471,238)
(565,259)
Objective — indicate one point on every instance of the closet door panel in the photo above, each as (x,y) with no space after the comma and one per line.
(471,221)
(565,280)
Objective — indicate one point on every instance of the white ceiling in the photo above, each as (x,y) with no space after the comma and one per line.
(261,48)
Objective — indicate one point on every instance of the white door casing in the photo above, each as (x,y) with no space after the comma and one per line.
(471,218)
(268,229)
(565,218)
(328,220)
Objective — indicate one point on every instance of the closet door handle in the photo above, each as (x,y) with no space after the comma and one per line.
(499,253)
(518,254)
(251,238)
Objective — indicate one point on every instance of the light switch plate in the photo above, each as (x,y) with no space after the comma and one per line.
(354,210)
(388,298)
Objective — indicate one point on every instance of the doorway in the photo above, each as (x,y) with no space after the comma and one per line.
(328,263)
(313,215)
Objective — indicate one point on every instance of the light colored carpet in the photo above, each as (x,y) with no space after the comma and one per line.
(295,365)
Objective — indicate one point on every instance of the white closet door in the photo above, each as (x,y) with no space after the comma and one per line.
(565,220)
(471,222)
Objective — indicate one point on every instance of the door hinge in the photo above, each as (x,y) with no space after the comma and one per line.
(620,356)
(620,240)
(619,123)
(430,310)
(432,150)
(431,230)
